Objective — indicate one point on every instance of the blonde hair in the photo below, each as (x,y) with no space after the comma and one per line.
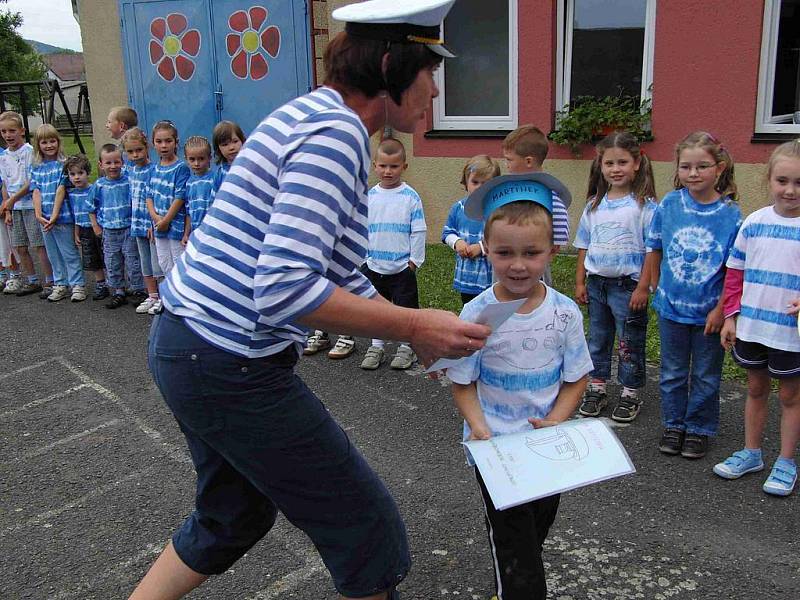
(527,140)
(15,117)
(134,134)
(45,132)
(725,184)
(125,115)
(642,185)
(789,149)
(481,166)
(521,212)
(197,141)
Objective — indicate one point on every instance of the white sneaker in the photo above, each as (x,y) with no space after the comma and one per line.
(78,293)
(156,308)
(59,293)
(13,286)
(146,305)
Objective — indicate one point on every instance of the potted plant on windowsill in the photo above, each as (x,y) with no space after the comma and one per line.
(588,118)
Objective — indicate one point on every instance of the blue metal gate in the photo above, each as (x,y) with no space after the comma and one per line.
(196,62)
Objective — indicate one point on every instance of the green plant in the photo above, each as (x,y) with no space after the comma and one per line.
(587,117)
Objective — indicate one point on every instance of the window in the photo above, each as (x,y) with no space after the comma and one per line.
(778,108)
(605,48)
(484,36)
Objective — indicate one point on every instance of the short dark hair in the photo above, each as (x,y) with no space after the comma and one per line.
(77,161)
(527,140)
(107,149)
(356,63)
(392,147)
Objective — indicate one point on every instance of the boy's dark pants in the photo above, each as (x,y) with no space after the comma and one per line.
(516,536)
(399,288)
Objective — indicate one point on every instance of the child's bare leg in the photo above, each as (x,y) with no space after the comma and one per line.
(756,407)
(150,284)
(25,260)
(789,396)
(45,262)
(168,579)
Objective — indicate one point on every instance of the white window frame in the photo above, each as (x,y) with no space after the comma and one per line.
(565,18)
(765,122)
(442,121)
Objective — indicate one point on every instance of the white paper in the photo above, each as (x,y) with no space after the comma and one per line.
(493,315)
(525,466)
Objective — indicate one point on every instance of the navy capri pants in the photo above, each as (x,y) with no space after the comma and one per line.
(261,441)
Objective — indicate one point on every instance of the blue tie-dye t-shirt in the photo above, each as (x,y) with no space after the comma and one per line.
(167,184)
(139,177)
(695,240)
(46,177)
(112,202)
(520,370)
(472,275)
(200,192)
(613,235)
(81,200)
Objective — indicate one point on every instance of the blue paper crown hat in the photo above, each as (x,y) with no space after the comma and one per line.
(418,21)
(499,191)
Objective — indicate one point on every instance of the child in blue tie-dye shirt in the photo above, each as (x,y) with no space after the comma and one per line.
(609,278)
(473,273)
(201,185)
(691,234)
(533,368)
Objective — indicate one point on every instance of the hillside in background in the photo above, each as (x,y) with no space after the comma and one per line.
(43,48)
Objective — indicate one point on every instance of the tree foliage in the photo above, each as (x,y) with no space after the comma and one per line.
(18,60)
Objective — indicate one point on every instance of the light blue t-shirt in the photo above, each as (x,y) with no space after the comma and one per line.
(139,178)
(395,216)
(200,190)
(46,177)
(81,201)
(112,202)
(520,370)
(613,235)
(695,240)
(472,275)
(167,184)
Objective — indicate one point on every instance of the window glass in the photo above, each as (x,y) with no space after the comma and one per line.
(786,93)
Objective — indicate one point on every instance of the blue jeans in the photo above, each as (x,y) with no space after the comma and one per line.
(64,255)
(120,253)
(261,441)
(610,316)
(691,370)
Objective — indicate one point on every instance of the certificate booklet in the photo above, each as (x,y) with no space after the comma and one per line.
(525,466)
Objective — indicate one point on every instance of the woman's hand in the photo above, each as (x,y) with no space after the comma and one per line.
(439,333)
(794,307)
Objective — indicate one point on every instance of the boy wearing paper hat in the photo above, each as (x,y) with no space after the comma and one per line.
(533,369)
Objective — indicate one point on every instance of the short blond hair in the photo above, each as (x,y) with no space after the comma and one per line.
(482,166)
(10,115)
(125,115)
(521,212)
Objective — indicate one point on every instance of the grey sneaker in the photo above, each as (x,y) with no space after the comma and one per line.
(373,358)
(13,285)
(28,288)
(594,401)
(403,358)
(59,293)
(78,293)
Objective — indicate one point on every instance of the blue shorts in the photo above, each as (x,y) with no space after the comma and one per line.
(261,441)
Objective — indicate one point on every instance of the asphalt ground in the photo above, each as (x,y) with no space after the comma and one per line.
(95,476)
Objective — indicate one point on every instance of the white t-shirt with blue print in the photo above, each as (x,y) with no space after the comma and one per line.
(395,216)
(472,275)
(15,168)
(767,249)
(112,202)
(695,240)
(520,370)
(613,236)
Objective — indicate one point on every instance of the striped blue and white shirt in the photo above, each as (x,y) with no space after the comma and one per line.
(200,192)
(396,229)
(139,177)
(81,201)
(560,222)
(472,275)
(112,202)
(520,370)
(695,240)
(288,225)
(167,184)
(767,249)
(613,236)
(46,177)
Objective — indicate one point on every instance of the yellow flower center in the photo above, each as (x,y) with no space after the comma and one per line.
(250,41)
(172,45)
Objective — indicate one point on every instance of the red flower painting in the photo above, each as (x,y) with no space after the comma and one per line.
(251,41)
(173,46)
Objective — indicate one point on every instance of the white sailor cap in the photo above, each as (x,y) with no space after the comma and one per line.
(418,21)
